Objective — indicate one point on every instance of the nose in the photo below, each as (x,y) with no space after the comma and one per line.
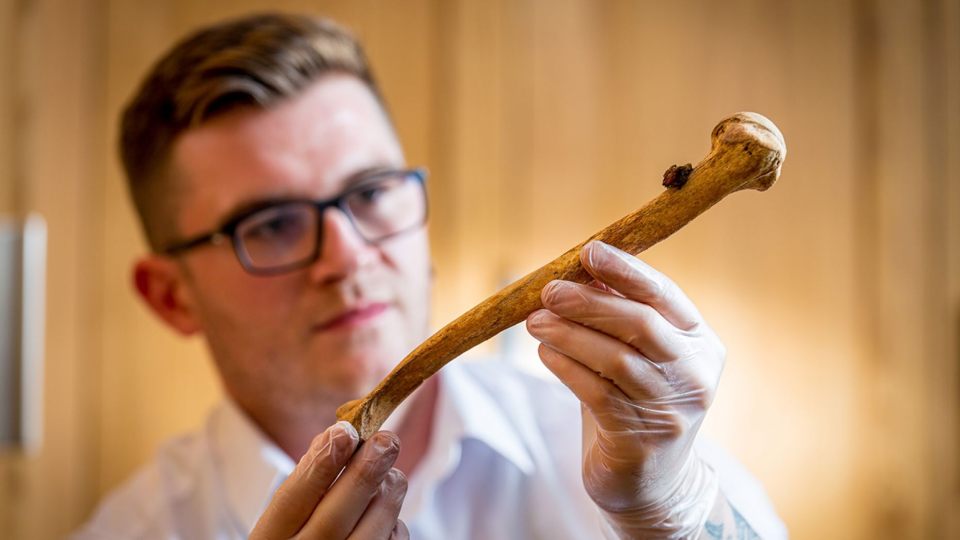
(342,251)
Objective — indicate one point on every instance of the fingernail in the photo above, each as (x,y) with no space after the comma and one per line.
(343,434)
(346,428)
(537,318)
(594,250)
(383,444)
(553,289)
(598,244)
(557,285)
(600,250)
(396,482)
(337,442)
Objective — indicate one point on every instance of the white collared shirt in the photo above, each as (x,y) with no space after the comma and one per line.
(503,463)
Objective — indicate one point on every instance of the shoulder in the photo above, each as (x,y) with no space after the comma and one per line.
(144,506)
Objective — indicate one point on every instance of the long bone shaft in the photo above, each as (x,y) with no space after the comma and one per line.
(747,152)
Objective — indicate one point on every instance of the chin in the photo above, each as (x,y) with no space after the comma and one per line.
(350,376)
(353,363)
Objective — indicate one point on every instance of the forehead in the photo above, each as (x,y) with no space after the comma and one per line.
(306,146)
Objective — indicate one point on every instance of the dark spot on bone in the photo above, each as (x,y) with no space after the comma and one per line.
(677,176)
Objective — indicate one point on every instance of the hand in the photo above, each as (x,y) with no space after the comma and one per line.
(362,503)
(645,366)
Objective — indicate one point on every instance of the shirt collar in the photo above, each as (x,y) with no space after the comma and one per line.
(465,409)
(475,413)
(250,465)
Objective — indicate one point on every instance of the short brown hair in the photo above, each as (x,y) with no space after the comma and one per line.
(256,61)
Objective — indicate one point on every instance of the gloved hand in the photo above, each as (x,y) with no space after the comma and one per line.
(334,493)
(645,366)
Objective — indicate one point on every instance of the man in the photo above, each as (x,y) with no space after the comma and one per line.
(287,229)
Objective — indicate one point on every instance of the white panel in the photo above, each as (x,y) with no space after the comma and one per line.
(32,331)
(22,269)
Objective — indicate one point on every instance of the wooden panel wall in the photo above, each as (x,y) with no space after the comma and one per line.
(9,48)
(8,59)
(837,292)
(908,246)
(51,161)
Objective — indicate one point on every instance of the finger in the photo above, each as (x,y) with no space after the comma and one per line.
(639,281)
(667,386)
(596,393)
(400,531)
(380,519)
(296,499)
(612,411)
(631,322)
(341,508)
(634,375)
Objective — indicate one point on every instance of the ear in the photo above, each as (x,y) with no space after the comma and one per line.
(162,286)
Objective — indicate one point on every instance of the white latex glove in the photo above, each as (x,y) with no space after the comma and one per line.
(338,492)
(645,366)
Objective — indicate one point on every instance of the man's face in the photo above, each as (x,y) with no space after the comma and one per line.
(317,336)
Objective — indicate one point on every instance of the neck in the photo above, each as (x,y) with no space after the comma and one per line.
(413,423)
(416,426)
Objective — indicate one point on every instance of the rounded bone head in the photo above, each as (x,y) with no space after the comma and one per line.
(759,138)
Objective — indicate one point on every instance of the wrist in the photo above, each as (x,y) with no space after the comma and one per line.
(681,513)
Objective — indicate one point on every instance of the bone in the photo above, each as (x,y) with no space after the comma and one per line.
(747,151)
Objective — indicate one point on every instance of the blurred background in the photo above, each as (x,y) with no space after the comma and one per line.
(837,292)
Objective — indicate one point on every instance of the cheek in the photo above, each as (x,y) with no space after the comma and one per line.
(409,255)
(409,258)
(243,301)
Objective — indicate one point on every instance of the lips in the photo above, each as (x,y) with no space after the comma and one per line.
(354,317)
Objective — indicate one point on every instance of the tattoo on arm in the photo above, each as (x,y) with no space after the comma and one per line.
(744,530)
(725,523)
(713,530)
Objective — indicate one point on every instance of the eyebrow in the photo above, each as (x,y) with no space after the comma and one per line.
(353,181)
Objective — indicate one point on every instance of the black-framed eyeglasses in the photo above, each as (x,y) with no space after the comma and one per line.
(282,235)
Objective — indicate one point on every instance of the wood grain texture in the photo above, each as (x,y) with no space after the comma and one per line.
(747,153)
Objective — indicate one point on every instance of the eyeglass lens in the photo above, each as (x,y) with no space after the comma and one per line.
(278,236)
(287,234)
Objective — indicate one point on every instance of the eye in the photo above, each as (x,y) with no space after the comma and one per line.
(378,193)
(372,193)
(277,225)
